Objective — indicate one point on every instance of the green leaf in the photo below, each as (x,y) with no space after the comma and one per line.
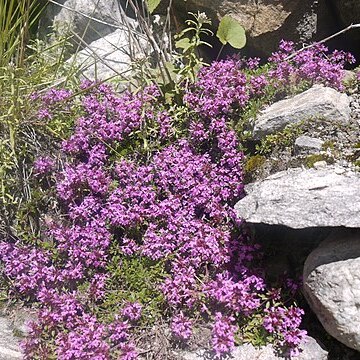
(230,31)
(183,44)
(152,5)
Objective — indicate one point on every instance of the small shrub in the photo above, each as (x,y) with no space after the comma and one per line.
(280,140)
(328,145)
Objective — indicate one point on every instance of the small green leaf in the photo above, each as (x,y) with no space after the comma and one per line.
(152,5)
(230,31)
(183,44)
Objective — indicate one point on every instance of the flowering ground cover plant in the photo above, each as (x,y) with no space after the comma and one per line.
(147,229)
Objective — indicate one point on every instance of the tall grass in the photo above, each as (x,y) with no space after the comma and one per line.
(26,66)
(17,18)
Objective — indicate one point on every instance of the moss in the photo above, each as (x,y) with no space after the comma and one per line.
(253,163)
(312,159)
(252,167)
(18,333)
(357,145)
(328,145)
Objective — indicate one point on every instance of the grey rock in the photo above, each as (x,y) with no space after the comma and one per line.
(308,144)
(268,21)
(75,16)
(108,39)
(340,170)
(332,285)
(300,198)
(311,350)
(108,56)
(318,101)
(322,165)
(19,319)
(9,344)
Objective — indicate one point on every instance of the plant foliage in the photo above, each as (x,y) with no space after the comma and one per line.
(152,5)
(144,228)
(230,31)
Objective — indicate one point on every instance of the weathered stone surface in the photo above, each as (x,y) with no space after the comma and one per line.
(301,198)
(9,344)
(75,16)
(108,44)
(268,21)
(318,101)
(108,56)
(308,144)
(321,165)
(332,285)
(257,19)
(311,350)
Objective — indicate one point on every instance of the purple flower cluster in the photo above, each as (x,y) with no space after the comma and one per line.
(171,204)
(119,337)
(132,311)
(48,100)
(313,65)
(43,165)
(29,267)
(227,86)
(223,334)
(86,341)
(240,296)
(181,326)
(79,335)
(284,323)
(175,206)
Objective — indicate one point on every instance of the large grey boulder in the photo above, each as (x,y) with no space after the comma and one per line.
(109,56)
(300,198)
(78,17)
(267,21)
(311,350)
(9,344)
(317,102)
(106,39)
(332,285)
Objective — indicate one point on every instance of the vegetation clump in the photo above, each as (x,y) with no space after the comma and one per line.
(280,140)
(145,228)
(252,165)
(314,158)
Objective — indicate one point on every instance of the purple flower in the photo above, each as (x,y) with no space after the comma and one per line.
(44,113)
(97,286)
(85,342)
(284,323)
(181,326)
(223,334)
(43,165)
(119,332)
(132,311)
(128,351)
